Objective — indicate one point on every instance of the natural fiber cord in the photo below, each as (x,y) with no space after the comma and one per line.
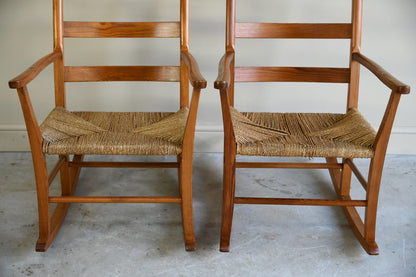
(246,130)
(113,133)
(170,128)
(352,128)
(303,134)
(61,124)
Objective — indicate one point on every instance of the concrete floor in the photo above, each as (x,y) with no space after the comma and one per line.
(146,239)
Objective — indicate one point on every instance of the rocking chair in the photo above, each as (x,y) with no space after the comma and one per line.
(331,136)
(66,132)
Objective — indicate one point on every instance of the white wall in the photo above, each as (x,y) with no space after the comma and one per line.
(388,37)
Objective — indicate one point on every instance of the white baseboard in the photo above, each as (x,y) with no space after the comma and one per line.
(207,139)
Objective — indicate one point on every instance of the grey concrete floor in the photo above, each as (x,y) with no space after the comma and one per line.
(146,239)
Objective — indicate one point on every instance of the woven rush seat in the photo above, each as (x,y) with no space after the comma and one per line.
(303,134)
(113,133)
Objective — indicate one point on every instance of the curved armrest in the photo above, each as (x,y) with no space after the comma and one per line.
(224,71)
(33,71)
(195,75)
(382,74)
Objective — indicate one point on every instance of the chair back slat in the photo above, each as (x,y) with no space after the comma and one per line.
(80,29)
(122,73)
(176,28)
(293,30)
(292,74)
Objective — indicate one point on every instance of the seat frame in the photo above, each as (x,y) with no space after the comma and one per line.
(69,169)
(340,172)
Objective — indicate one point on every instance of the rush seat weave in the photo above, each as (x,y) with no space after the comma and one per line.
(303,134)
(113,133)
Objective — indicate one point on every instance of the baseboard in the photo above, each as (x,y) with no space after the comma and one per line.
(207,139)
(402,141)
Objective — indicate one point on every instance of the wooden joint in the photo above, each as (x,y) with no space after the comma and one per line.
(357,173)
(56,169)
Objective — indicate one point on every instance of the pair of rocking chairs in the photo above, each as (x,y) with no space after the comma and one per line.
(331,136)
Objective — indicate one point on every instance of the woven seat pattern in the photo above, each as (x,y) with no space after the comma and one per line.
(303,134)
(113,133)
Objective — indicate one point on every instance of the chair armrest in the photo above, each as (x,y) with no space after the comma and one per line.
(195,76)
(397,89)
(385,77)
(224,71)
(30,73)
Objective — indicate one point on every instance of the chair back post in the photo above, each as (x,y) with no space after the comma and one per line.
(356,21)
(58,44)
(184,83)
(230,45)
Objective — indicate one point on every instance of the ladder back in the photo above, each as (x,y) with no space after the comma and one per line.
(292,74)
(122,73)
(293,30)
(82,29)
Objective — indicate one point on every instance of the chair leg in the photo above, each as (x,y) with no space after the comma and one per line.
(228,197)
(365,232)
(335,175)
(66,187)
(185,184)
(74,173)
(374,179)
(42,189)
(49,226)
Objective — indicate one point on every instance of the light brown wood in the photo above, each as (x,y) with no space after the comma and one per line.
(56,220)
(335,174)
(125,164)
(230,151)
(195,77)
(184,45)
(122,73)
(346,175)
(357,173)
(184,84)
(74,173)
(225,75)
(287,165)
(29,74)
(230,45)
(376,169)
(114,199)
(341,184)
(65,174)
(340,173)
(185,169)
(293,30)
(354,85)
(384,76)
(58,45)
(299,201)
(187,72)
(39,165)
(184,24)
(56,169)
(292,74)
(79,29)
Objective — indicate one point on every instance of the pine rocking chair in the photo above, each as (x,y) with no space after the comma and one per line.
(331,136)
(66,133)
